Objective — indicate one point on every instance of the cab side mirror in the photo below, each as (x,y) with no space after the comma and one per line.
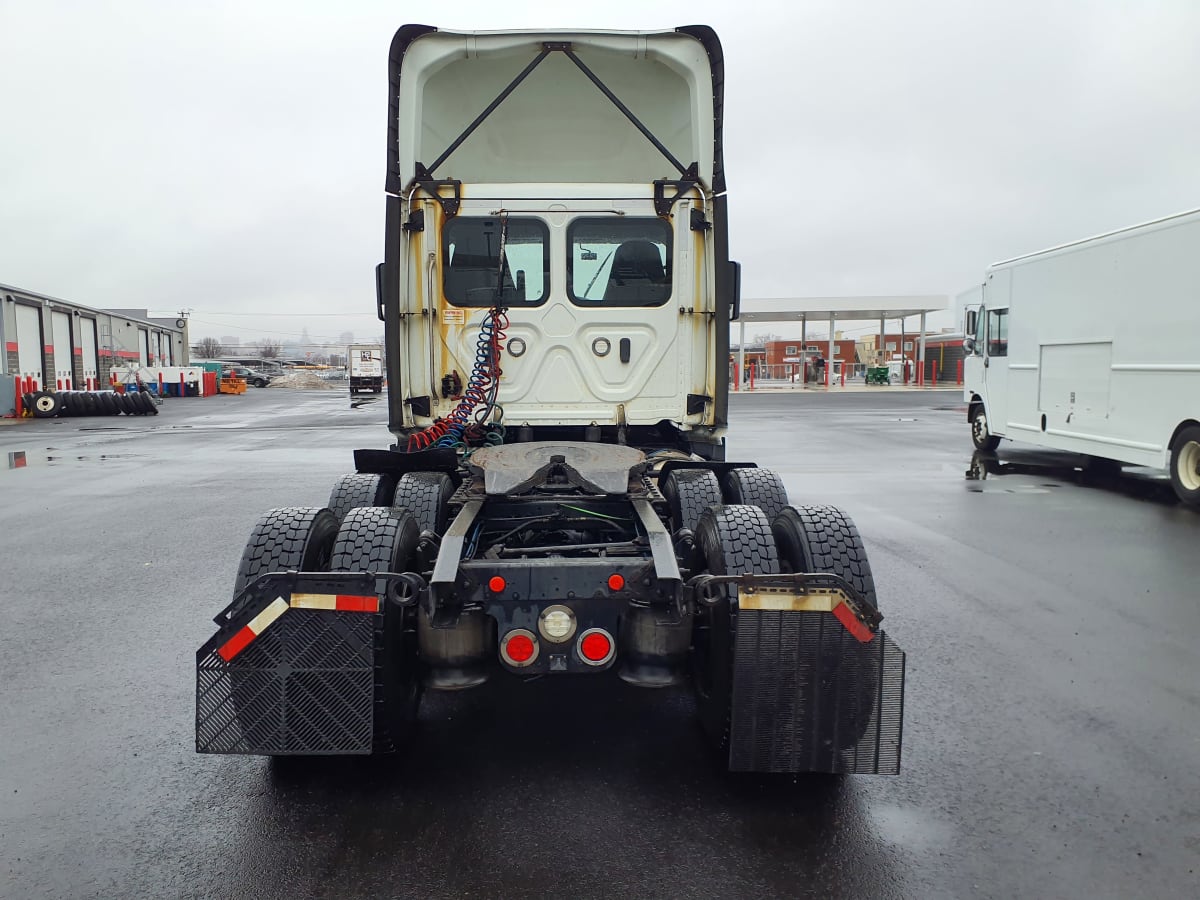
(971,322)
(735,276)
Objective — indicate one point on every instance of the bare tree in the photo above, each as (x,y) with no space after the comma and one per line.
(269,348)
(208,348)
(765,337)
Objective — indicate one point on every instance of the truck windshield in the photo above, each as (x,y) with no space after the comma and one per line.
(619,261)
(471,251)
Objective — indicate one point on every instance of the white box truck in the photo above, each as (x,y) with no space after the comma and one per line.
(365,366)
(1092,348)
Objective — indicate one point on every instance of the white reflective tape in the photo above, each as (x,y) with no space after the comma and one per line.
(314,601)
(274,610)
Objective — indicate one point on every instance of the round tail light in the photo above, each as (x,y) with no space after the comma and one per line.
(596,647)
(519,648)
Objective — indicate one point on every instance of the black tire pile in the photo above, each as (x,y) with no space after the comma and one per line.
(48,404)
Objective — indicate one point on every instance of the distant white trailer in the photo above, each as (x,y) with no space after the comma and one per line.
(1094,347)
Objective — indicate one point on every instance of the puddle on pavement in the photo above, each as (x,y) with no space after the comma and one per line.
(21,459)
(985,467)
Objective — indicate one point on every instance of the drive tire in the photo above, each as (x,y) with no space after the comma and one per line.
(46,404)
(382,539)
(981,436)
(689,492)
(825,539)
(353,491)
(425,495)
(291,537)
(109,402)
(1185,466)
(756,487)
(733,540)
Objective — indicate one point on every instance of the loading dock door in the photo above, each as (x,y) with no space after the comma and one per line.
(87,341)
(143,347)
(63,358)
(30,360)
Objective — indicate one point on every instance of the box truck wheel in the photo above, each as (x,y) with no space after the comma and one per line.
(353,491)
(733,540)
(980,434)
(689,492)
(756,487)
(1185,465)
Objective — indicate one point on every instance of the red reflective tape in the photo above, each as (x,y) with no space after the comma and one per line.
(350,603)
(236,644)
(852,624)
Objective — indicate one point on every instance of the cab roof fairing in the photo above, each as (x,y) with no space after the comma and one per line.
(556,126)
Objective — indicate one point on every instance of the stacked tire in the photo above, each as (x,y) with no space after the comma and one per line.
(48,404)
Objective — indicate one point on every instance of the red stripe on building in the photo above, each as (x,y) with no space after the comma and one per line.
(50,349)
(236,644)
(79,351)
(11,346)
(349,603)
(852,624)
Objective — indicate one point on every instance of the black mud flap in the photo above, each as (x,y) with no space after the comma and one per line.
(297,667)
(810,697)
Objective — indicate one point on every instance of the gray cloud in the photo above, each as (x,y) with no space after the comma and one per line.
(230,157)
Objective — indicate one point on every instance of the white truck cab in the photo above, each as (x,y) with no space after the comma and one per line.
(576,185)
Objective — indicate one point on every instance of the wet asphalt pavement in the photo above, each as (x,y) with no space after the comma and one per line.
(1052,732)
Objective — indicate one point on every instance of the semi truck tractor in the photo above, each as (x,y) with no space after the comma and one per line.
(364,365)
(1090,348)
(556,500)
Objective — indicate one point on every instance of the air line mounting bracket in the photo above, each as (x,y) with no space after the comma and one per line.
(662,203)
(425,181)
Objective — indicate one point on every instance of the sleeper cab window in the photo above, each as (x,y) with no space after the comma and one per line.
(471,272)
(619,261)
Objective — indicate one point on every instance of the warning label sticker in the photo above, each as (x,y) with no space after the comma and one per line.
(454,316)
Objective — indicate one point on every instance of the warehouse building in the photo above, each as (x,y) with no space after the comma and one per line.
(52,344)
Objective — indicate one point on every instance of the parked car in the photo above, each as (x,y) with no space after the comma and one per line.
(251,377)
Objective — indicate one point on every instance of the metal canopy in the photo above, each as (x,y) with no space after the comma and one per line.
(822,309)
(838,309)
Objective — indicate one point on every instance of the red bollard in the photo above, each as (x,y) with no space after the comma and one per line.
(934,364)
(843,376)
(160,383)
(960,371)
(752,378)
(182,391)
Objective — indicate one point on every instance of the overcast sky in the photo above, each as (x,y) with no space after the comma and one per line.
(228,158)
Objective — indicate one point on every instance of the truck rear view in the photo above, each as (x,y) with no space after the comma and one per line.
(364,366)
(556,296)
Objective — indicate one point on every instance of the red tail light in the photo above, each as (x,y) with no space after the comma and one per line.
(616,582)
(596,647)
(496,584)
(519,647)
